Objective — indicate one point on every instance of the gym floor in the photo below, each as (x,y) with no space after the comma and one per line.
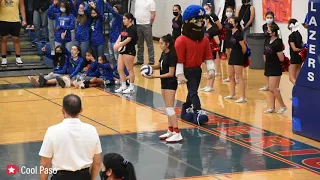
(239,142)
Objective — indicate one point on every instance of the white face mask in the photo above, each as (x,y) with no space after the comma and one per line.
(208,12)
(269,21)
(229,14)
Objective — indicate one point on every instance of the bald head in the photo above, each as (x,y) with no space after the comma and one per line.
(72,105)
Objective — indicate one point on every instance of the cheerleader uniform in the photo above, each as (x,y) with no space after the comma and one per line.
(226,42)
(166,61)
(210,34)
(296,38)
(176,27)
(129,48)
(273,64)
(236,56)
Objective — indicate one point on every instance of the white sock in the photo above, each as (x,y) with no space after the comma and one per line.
(123,85)
(131,86)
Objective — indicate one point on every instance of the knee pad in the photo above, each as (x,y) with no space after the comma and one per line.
(170,111)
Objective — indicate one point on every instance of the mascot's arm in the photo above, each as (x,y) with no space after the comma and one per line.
(207,58)
(181,54)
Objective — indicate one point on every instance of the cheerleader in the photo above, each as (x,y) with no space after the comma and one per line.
(269,21)
(237,60)
(167,64)
(273,55)
(126,45)
(212,33)
(296,45)
(226,43)
(208,8)
(176,22)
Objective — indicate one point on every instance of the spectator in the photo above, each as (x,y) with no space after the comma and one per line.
(72,147)
(10,24)
(176,22)
(211,2)
(145,13)
(29,14)
(51,13)
(246,13)
(40,18)
(223,5)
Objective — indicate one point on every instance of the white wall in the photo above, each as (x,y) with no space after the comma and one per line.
(162,25)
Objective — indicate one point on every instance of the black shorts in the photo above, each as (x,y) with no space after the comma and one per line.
(12,28)
(171,84)
(129,51)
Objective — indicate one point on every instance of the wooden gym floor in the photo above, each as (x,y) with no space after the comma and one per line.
(239,142)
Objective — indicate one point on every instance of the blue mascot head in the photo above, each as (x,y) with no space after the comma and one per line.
(193,22)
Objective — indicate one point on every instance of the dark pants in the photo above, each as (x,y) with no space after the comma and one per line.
(83,174)
(193,75)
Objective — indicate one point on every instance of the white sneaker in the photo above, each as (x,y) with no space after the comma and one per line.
(120,90)
(81,85)
(269,111)
(282,110)
(166,135)
(230,97)
(75,84)
(265,88)
(241,100)
(117,82)
(175,137)
(19,61)
(226,80)
(208,89)
(202,89)
(4,62)
(129,90)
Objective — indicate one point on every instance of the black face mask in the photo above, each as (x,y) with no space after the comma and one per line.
(244,1)
(175,13)
(230,25)
(103,175)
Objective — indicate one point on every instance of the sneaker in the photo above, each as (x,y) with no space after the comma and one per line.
(19,61)
(175,137)
(60,82)
(265,88)
(42,80)
(208,89)
(282,110)
(4,62)
(128,91)
(117,82)
(120,90)
(33,81)
(75,84)
(106,82)
(269,111)
(81,85)
(241,100)
(166,135)
(230,97)
(226,80)
(200,117)
(28,27)
(202,89)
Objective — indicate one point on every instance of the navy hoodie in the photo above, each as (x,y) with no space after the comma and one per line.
(105,71)
(74,66)
(92,71)
(116,24)
(66,23)
(96,30)
(61,69)
(82,31)
(52,11)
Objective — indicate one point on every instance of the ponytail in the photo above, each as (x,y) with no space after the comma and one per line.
(130,16)
(168,39)
(130,172)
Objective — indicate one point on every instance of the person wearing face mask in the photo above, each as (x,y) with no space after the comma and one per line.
(236,61)
(208,8)
(269,21)
(64,23)
(176,22)
(75,65)
(226,43)
(51,12)
(60,65)
(273,55)
(246,13)
(82,29)
(223,6)
(115,167)
(97,39)
(296,45)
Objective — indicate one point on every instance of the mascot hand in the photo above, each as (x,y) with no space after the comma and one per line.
(211,74)
(181,78)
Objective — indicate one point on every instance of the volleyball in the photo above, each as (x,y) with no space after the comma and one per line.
(146,70)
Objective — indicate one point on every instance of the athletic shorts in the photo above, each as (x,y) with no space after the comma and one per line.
(127,51)
(12,28)
(169,84)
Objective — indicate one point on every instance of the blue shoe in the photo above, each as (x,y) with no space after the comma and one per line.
(187,114)
(200,117)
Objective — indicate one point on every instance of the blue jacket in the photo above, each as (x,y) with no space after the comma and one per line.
(92,71)
(74,9)
(52,11)
(74,67)
(96,29)
(115,71)
(65,22)
(82,32)
(105,71)
(116,24)
(61,69)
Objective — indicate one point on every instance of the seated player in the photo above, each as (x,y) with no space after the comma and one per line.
(105,75)
(116,76)
(60,65)
(75,65)
(89,71)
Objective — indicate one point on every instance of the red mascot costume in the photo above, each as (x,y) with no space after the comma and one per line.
(193,48)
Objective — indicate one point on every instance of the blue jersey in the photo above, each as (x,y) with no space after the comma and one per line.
(58,69)
(96,29)
(115,24)
(65,24)
(105,71)
(52,11)
(74,66)
(92,71)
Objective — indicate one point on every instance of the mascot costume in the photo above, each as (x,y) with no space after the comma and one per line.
(192,49)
